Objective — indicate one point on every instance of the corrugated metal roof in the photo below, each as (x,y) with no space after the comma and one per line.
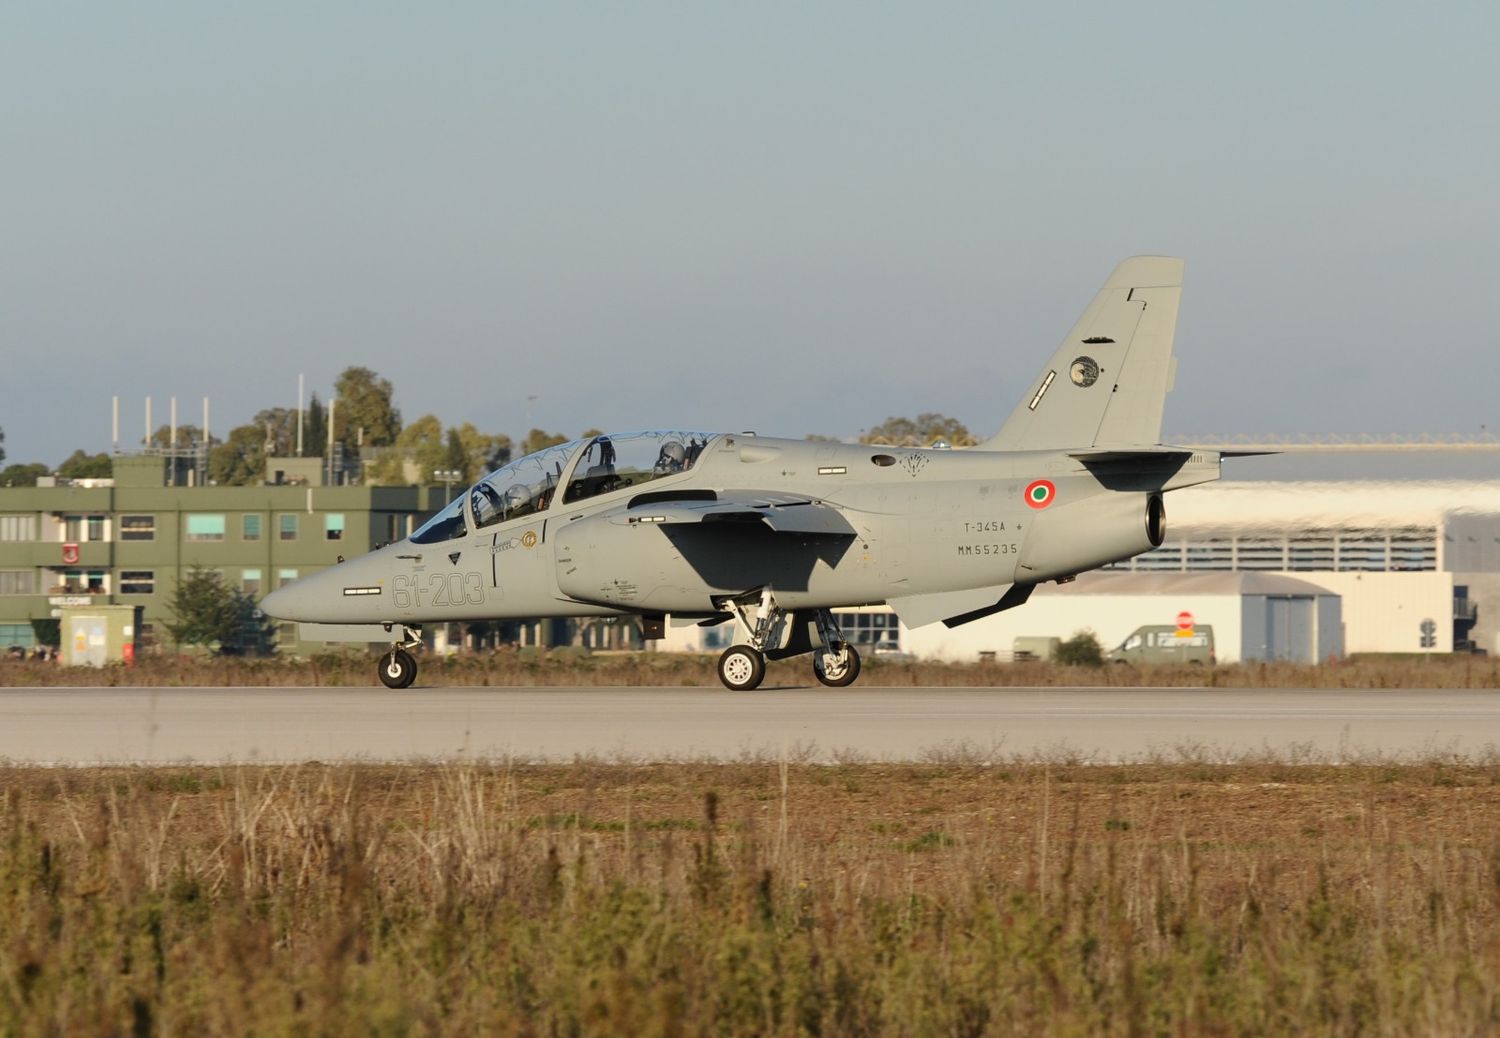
(1229,583)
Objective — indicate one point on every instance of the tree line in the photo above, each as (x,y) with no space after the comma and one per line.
(363,414)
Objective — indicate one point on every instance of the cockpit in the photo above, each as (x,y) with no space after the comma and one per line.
(530,485)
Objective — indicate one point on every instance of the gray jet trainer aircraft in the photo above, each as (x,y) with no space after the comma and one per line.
(776,534)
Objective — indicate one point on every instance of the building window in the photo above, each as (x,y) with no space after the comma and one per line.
(250,582)
(868,628)
(288,526)
(17,527)
(205,527)
(96,527)
(95,583)
(252,528)
(286,635)
(17,582)
(333,526)
(137,582)
(137,527)
(285,577)
(14,636)
(72,528)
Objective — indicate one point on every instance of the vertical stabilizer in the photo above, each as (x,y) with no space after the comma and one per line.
(1108,381)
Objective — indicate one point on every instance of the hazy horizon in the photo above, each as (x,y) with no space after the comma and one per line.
(789,219)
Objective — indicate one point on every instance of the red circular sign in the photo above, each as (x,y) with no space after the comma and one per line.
(1184,621)
(70,554)
(1040,492)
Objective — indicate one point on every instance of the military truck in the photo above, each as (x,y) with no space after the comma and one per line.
(1163,643)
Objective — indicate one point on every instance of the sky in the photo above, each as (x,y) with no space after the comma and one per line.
(788,217)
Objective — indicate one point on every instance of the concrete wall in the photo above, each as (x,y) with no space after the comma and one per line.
(1383,612)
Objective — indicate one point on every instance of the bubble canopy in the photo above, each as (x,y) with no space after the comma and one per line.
(605,464)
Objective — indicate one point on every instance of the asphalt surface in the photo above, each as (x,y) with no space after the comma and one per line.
(134,725)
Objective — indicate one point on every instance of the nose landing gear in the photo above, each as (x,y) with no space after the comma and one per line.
(397,668)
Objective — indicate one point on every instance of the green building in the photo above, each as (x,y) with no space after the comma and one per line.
(126,540)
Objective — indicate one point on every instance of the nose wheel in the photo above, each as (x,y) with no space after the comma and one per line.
(397,669)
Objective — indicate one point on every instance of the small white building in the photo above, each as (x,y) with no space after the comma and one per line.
(1254,616)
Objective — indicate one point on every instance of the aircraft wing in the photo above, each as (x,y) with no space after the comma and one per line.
(783,513)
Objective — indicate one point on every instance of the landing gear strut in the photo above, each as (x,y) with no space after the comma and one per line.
(742,667)
(835,661)
(397,668)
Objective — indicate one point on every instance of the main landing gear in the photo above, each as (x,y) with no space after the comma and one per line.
(397,668)
(742,667)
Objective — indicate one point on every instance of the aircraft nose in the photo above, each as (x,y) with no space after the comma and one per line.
(287,603)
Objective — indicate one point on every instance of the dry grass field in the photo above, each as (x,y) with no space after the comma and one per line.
(757,898)
(566,667)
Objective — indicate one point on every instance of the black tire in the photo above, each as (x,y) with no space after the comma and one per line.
(741,668)
(397,669)
(847,677)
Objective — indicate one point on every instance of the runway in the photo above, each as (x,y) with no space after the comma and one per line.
(214,725)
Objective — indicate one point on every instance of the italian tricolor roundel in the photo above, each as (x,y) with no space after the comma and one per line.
(1039,493)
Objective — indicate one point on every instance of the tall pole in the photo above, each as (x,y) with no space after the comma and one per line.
(148,423)
(332,407)
(299,416)
(114,427)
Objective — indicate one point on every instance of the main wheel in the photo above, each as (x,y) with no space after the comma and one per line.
(741,668)
(397,669)
(834,669)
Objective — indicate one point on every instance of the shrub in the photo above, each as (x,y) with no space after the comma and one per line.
(1081,650)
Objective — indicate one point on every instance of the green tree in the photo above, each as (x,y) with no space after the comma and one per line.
(187,436)
(923,431)
(455,457)
(2,444)
(278,427)
(210,613)
(482,452)
(240,461)
(540,439)
(1081,650)
(82,465)
(365,402)
(47,632)
(22,474)
(419,450)
(315,429)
